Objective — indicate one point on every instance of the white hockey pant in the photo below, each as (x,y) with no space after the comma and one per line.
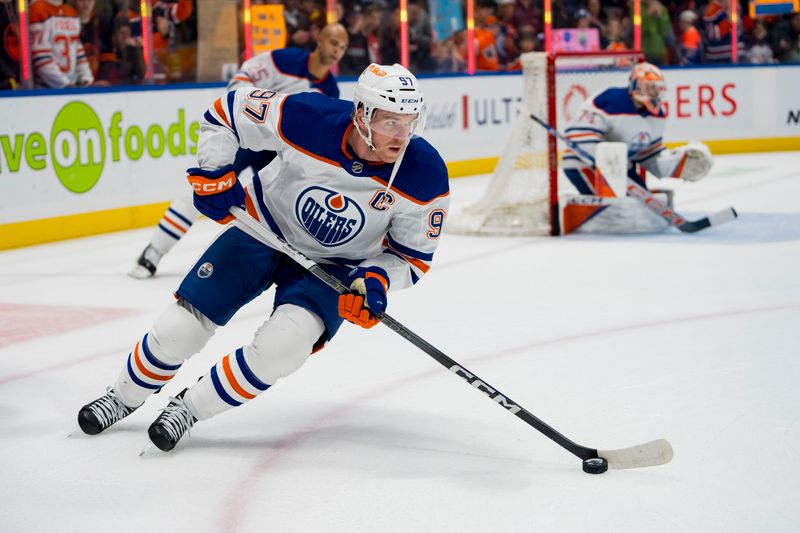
(280,346)
(180,332)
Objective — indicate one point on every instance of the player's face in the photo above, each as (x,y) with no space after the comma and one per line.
(390,133)
(332,48)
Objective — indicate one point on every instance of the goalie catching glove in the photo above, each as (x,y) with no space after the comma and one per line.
(367,296)
(694,161)
(215,192)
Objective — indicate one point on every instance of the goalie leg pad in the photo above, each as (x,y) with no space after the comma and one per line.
(281,346)
(180,332)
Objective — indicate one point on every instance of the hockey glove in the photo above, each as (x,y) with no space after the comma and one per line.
(215,192)
(367,297)
(695,161)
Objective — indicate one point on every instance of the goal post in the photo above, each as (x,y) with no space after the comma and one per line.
(522,197)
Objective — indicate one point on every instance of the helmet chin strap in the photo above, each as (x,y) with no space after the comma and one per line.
(368,137)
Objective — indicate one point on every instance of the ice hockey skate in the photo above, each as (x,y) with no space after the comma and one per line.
(175,420)
(99,415)
(146,264)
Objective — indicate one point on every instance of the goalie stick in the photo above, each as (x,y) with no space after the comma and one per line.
(645,196)
(651,453)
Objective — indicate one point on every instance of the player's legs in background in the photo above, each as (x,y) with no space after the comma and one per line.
(181,214)
(177,220)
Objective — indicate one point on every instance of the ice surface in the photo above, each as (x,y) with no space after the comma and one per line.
(612,340)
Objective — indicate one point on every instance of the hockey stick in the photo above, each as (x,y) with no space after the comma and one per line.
(645,196)
(595,461)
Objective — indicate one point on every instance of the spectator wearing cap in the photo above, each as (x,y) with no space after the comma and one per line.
(690,44)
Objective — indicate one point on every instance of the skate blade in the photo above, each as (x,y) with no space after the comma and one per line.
(149,446)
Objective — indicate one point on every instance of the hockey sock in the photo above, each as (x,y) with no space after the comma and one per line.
(177,220)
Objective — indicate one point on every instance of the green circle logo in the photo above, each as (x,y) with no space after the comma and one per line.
(78,147)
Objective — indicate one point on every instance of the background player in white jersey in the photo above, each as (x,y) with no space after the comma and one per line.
(357,192)
(288,71)
(632,115)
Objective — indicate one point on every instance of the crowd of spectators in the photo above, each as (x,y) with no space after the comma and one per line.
(108,46)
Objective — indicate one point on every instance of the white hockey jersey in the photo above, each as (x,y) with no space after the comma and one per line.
(57,53)
(610,115)
(318,195)
(284,71)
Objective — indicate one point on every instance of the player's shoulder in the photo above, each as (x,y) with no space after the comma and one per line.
(310,120)
(423,174)
(290,60)
(315,106)
(615,101)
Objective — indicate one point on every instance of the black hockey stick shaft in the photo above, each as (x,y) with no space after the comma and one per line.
(250,226)
(642,194)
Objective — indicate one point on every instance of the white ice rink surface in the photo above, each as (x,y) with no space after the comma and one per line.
(614,341)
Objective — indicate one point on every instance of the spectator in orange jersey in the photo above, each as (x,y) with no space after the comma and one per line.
(690,44)
(716,19)
(57,53)
(486,57)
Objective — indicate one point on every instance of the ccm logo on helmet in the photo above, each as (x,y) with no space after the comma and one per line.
(409,101)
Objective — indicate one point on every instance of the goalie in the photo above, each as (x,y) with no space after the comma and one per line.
(634,116)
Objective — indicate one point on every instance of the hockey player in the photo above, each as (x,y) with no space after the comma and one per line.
(351,188)
(57,54)
(288,71)
(632,115)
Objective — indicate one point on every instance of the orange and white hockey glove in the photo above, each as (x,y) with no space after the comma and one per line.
(367,297)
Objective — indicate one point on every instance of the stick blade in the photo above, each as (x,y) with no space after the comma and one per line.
(653,453)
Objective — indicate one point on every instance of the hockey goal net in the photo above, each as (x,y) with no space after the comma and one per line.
(522,196)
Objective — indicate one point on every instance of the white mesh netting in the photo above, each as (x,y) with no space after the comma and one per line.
(517,199)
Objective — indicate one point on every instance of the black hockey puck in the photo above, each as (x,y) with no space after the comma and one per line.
(595,465)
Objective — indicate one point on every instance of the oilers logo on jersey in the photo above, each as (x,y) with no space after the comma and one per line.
(639,142)
(330,217)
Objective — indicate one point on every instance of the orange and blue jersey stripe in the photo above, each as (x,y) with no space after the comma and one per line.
(234,381)
(221,113)
(419,262)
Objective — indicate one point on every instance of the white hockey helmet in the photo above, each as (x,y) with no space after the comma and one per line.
(392,88)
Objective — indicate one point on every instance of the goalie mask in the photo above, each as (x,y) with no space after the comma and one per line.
(646,85)
(391,88)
